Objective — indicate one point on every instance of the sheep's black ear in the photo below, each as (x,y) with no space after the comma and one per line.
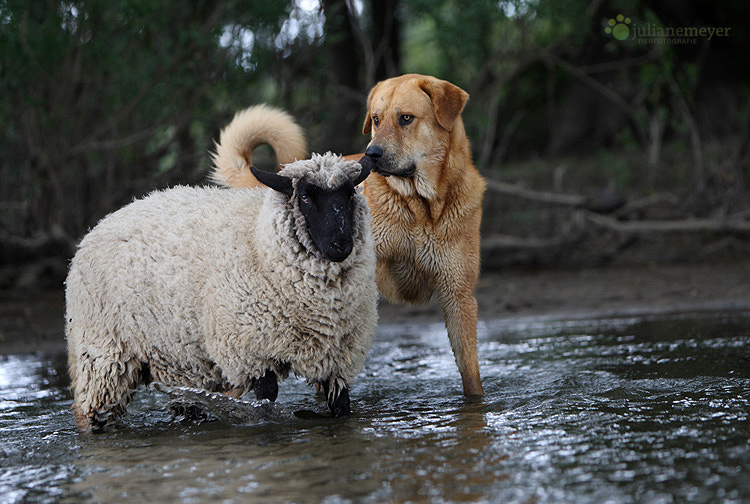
(274,181)
(366,164)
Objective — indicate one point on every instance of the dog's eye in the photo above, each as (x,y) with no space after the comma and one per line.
(376,121)
(405,119)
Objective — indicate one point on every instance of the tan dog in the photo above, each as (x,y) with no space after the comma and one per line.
(425,197)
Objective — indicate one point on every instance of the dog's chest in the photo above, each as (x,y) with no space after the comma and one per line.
(408,245)
(408,263)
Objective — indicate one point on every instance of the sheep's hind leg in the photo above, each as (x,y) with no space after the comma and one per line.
(266,387)
(102,391)
(94,421)
(340,404)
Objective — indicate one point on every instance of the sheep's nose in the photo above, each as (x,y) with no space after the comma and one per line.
(374,151)
(340,250)
(342,245)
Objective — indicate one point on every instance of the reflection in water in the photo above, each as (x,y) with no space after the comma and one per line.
(616,410)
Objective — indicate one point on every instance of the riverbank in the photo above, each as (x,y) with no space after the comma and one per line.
(32,321)
(599,292)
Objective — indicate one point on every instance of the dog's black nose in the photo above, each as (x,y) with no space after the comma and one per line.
(374,151)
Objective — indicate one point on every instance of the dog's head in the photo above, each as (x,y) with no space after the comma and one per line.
(411,119)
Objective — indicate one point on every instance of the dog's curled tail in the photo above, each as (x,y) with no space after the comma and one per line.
(256,125)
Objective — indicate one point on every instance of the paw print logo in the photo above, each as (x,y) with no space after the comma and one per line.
(618,27)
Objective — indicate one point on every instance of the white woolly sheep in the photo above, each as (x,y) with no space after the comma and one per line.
(225,289)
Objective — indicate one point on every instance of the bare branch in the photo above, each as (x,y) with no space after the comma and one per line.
(116,143)
(571,200)
(594,84)
(55,238)
(640,204)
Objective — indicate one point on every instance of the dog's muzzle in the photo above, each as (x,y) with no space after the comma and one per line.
(379,165)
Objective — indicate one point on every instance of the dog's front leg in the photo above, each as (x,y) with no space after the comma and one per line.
(461,313)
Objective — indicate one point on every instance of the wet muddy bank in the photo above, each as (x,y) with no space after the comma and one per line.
(599,292)
(32,321)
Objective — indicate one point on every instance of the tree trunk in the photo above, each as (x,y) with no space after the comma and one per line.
(346,111)
(386,30)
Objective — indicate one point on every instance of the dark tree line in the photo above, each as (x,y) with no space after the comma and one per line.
(102,101)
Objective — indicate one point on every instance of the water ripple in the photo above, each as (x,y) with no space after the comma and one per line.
(586,411)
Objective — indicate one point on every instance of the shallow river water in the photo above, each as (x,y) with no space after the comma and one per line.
(616,410)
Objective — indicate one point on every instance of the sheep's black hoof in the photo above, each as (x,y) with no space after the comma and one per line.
(266,387)
(98,424)
(340,406)
(103,418)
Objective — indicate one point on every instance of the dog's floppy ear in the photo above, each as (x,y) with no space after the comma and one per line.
(367,126)
(447,99)
(274,181)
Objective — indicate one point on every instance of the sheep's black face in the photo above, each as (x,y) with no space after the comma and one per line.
(329,214)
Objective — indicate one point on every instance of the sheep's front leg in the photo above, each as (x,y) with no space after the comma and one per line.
(339,404)
(266,387)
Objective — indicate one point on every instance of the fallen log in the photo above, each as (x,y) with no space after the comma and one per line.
(689,225)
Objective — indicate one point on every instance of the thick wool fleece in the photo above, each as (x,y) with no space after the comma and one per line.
(211,287)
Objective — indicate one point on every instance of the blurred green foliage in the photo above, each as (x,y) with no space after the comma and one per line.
(105,100)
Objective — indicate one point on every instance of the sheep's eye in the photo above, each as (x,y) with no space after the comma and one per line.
(376,121)
(305,199)
(405,119)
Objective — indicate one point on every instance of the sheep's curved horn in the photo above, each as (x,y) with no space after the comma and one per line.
(366,163)
(273,180)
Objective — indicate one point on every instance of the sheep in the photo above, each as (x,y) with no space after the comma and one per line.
(225,290)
